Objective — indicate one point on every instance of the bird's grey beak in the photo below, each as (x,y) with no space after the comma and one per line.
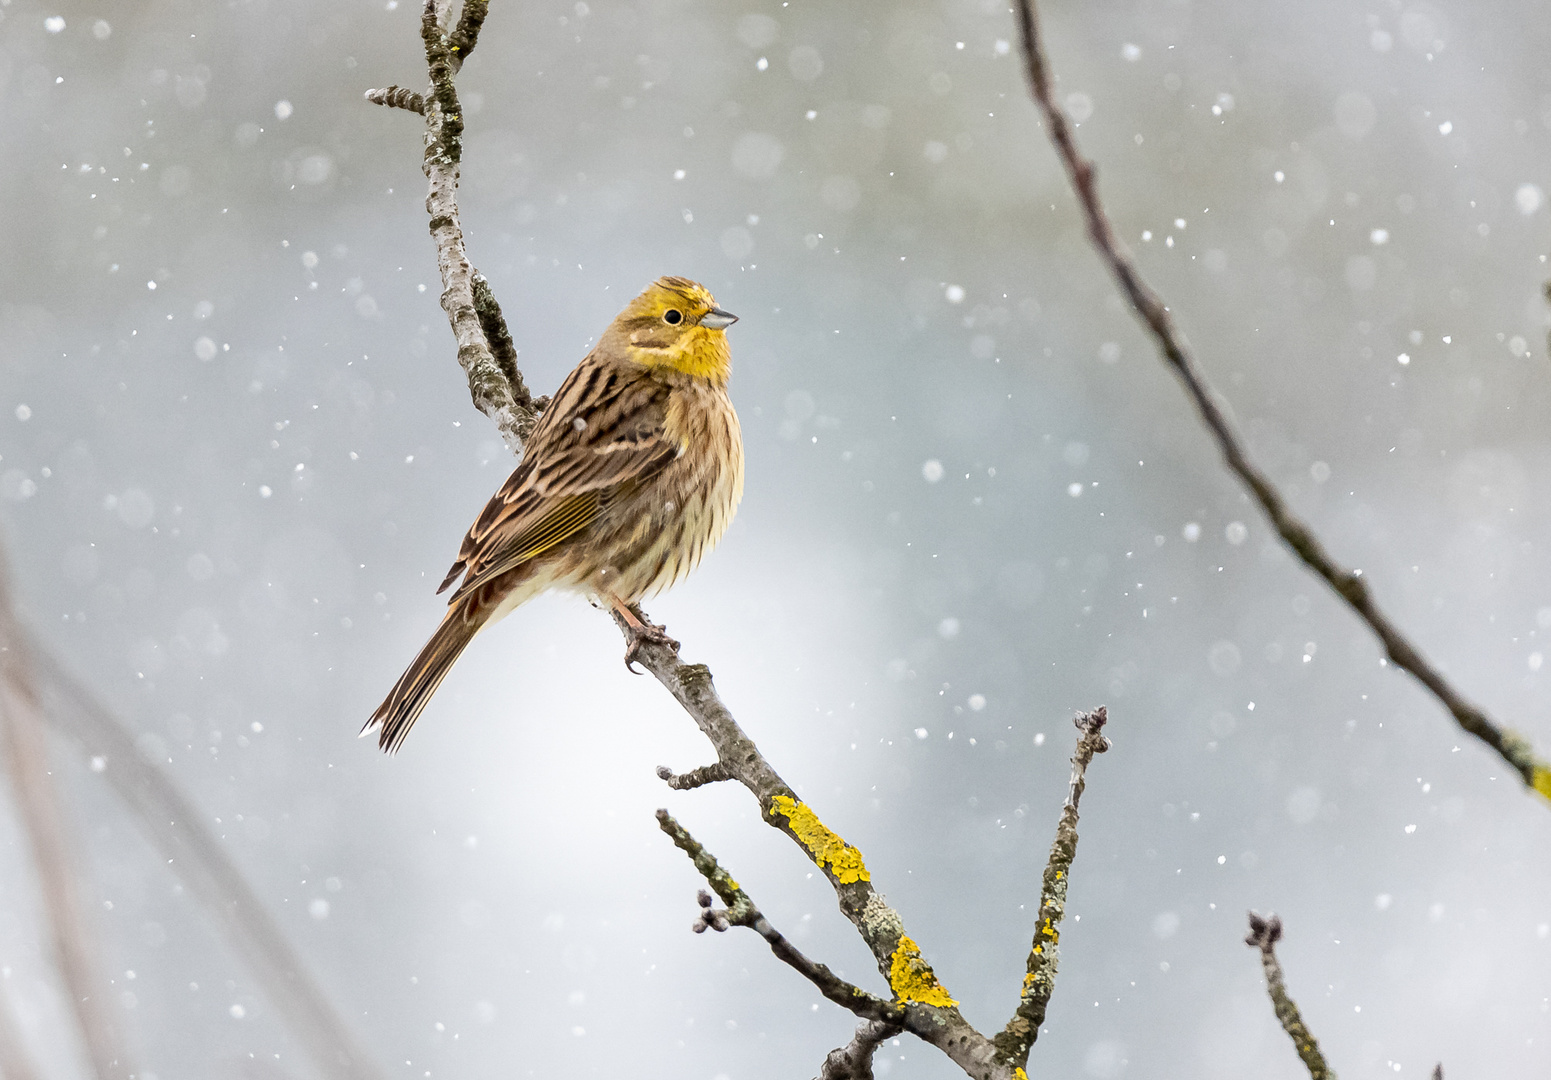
(717,319)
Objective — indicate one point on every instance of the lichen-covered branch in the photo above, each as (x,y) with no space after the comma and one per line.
(742,912)
(1045,955)
(853,1061)
(177,830)
(485,349)
(1348,584)
(1264,933)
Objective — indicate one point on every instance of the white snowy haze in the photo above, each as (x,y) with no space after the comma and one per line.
(237,455)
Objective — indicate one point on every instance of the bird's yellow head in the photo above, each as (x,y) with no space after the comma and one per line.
(675,324)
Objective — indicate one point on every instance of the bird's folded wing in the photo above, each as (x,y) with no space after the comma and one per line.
(569,470)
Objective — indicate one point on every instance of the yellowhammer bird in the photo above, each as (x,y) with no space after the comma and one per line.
(632,474)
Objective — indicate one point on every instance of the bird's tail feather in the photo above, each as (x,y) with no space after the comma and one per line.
(410,695)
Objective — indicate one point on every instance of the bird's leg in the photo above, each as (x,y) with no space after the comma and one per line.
(640,632)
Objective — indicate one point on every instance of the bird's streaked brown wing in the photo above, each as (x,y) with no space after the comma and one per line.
(569,469)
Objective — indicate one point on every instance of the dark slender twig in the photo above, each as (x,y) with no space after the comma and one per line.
(853,1061)
(1264,933)
(397,97)
(466,34)
(742,912)
(706,774)
(193,853)
(55,850)
(1348,584)
(1045,954)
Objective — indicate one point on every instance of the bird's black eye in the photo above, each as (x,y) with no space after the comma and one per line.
(673,317)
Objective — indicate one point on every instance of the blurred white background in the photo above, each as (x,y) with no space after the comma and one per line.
(237,454)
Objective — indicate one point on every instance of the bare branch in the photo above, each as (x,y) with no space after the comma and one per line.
(853,1061)
(495,391)
(466,35)
(706,774)
(54,849)
(177,830)
(1264,933)
(1348,584)
(742,912)
(1045,954)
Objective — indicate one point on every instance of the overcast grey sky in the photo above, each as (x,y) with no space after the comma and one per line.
(237,455)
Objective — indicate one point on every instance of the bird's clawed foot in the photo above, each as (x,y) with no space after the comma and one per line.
(642,631)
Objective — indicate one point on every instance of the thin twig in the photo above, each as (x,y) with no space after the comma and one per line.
(177,830)
(1348,584)
(706,774)
(397,97)
(742,912)
(1045,954)
(853,1061)
(55,850)
(1264,933)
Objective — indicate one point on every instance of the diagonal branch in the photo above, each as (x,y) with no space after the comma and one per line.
(55,850)
(853,1061)
(1045,955)
(742,912)
(1264,933)
(176,828)
(1348,584)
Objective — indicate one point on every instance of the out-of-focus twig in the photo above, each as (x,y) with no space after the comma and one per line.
(1264,933)
(193,853)
(1347,584)
(1045,955)
(853,1061)
(55,850)
(15,1064)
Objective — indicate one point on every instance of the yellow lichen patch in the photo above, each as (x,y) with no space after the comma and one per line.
(826,848)
(1019,1074)
(1541,780)
(912,979)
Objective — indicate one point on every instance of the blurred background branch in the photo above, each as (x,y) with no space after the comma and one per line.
(176,828)
(15,1062)
(1347,584)
(55,850)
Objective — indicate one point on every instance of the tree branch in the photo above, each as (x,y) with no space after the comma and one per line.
(1264,933)
(497,392)
(176,829)
(397,97)
(1347,584)
(1045,954)
(853,1061)
(706,774)
(54,849)
(742,912)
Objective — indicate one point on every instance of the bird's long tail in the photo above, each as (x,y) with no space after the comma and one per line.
(410,695)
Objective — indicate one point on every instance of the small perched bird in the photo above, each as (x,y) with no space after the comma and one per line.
(631,475)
